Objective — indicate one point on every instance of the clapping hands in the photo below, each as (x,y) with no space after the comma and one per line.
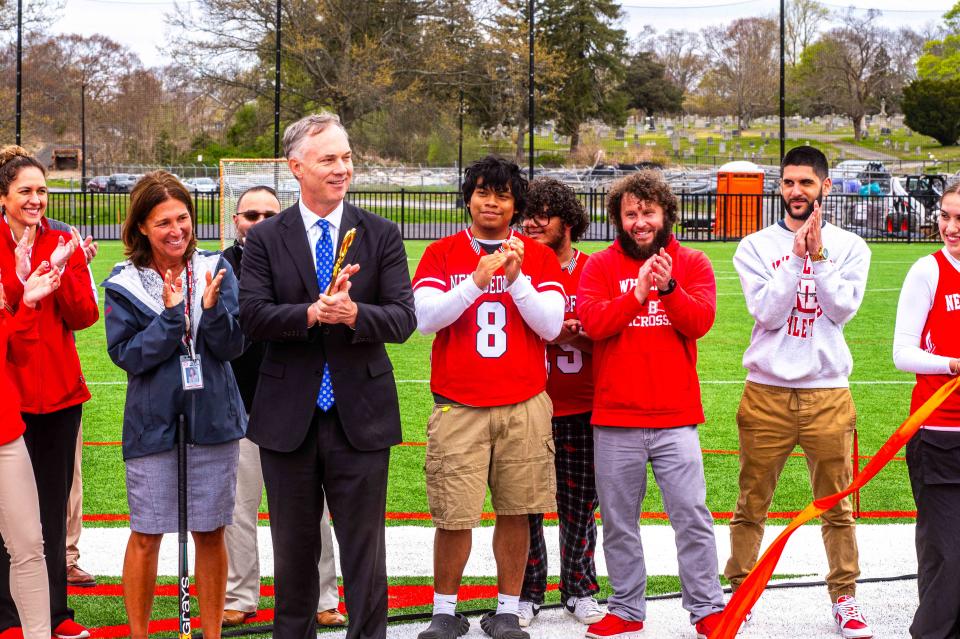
(22,253)
(211,293)
(60,255)
(172,290)
(336,308)
(807,239)
(656,271)
(41,283)
(513,250)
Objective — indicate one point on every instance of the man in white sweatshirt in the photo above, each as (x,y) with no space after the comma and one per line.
(803,280)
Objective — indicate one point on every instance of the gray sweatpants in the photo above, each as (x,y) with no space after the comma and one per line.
(621,456)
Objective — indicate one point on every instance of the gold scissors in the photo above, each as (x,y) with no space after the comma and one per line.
(344,247)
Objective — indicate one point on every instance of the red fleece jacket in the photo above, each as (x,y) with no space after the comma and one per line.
(645,355)
(48,374)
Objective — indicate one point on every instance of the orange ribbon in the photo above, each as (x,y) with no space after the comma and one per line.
(753,586)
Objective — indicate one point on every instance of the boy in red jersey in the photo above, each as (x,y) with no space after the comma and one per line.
(646,301)
(926,342)
(555,218)
(493,298)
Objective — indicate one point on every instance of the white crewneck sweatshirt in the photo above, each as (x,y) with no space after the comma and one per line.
(800,307)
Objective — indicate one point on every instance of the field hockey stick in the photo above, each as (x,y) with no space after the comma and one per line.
(183,573)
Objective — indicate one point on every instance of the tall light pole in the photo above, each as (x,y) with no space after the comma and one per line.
(783,81)
(19,106)
(530,103)
(83,137)
(276,91)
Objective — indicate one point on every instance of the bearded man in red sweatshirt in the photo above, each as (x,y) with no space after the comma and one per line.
(645,301)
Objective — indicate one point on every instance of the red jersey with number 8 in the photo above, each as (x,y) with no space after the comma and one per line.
(488,356)
(570,370)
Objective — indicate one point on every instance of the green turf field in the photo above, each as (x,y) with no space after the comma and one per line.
(881,394)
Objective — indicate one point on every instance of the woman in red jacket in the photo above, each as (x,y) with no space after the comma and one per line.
(47,376)
(19,505)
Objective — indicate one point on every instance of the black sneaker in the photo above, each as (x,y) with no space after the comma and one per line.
(503,626)
(446,627)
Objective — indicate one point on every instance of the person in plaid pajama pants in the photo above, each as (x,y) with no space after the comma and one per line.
(554,217)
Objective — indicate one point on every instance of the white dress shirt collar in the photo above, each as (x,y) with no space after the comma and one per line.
(310,218)
(314,233)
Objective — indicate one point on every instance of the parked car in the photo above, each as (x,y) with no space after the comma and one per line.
(202,185)
(121,182)
(97,184)
(916,206)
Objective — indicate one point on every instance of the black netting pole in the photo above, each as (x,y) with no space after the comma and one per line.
(783,81)
(276,92)
(19,107)
(530,105)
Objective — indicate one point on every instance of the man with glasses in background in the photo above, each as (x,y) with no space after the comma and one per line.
(555,218)
(243,564)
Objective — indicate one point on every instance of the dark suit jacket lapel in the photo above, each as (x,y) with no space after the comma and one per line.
(295,239)
(351,219)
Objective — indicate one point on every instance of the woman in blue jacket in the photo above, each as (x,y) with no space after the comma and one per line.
(171,321)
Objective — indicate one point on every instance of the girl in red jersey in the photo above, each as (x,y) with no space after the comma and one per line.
(927,342)
(19,505)
(47,377)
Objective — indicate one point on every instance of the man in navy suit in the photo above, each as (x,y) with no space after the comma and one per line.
(325,412)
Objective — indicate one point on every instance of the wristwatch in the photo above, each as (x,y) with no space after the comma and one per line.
(672,284)
(821,254)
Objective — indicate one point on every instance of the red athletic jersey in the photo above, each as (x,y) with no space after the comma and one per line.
(488,356)
(941,337)
(570,370)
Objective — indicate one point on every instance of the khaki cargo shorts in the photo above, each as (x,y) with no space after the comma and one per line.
(510,448)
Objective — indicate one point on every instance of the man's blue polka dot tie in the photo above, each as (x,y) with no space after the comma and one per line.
(324,253)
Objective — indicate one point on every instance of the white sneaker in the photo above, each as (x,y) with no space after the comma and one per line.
(849,619)
(586,610)
(527,611)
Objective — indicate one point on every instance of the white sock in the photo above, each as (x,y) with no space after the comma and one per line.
(508,603)
(444,604)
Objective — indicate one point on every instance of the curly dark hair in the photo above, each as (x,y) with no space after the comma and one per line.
(501,175)
(558,200)
(150,191)
(646,186)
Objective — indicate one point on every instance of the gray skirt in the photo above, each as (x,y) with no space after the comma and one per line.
(211,489)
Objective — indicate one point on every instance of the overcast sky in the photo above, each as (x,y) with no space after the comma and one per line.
(140,25)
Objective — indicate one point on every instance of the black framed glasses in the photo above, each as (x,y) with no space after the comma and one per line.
(540,219)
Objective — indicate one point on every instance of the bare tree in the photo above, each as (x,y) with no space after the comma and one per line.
(743,70)
(801,26)
(681,53)
(849,69)
(37,15)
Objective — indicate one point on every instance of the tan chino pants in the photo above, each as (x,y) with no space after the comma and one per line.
(772,421)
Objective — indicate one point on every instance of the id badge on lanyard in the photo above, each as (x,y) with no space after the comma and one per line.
(191,373)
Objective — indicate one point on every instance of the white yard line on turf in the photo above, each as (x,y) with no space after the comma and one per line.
(885,550)
(788,613)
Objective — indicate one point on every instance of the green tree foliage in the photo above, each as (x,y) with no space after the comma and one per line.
(592,51)
(941,58)
(647,87)
(932,107)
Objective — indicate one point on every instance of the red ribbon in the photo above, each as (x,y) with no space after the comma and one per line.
(753,586)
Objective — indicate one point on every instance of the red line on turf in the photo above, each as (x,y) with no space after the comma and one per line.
(398,597)
(398,516)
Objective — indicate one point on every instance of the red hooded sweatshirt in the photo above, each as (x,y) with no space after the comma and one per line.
(645,355)
(48,373)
